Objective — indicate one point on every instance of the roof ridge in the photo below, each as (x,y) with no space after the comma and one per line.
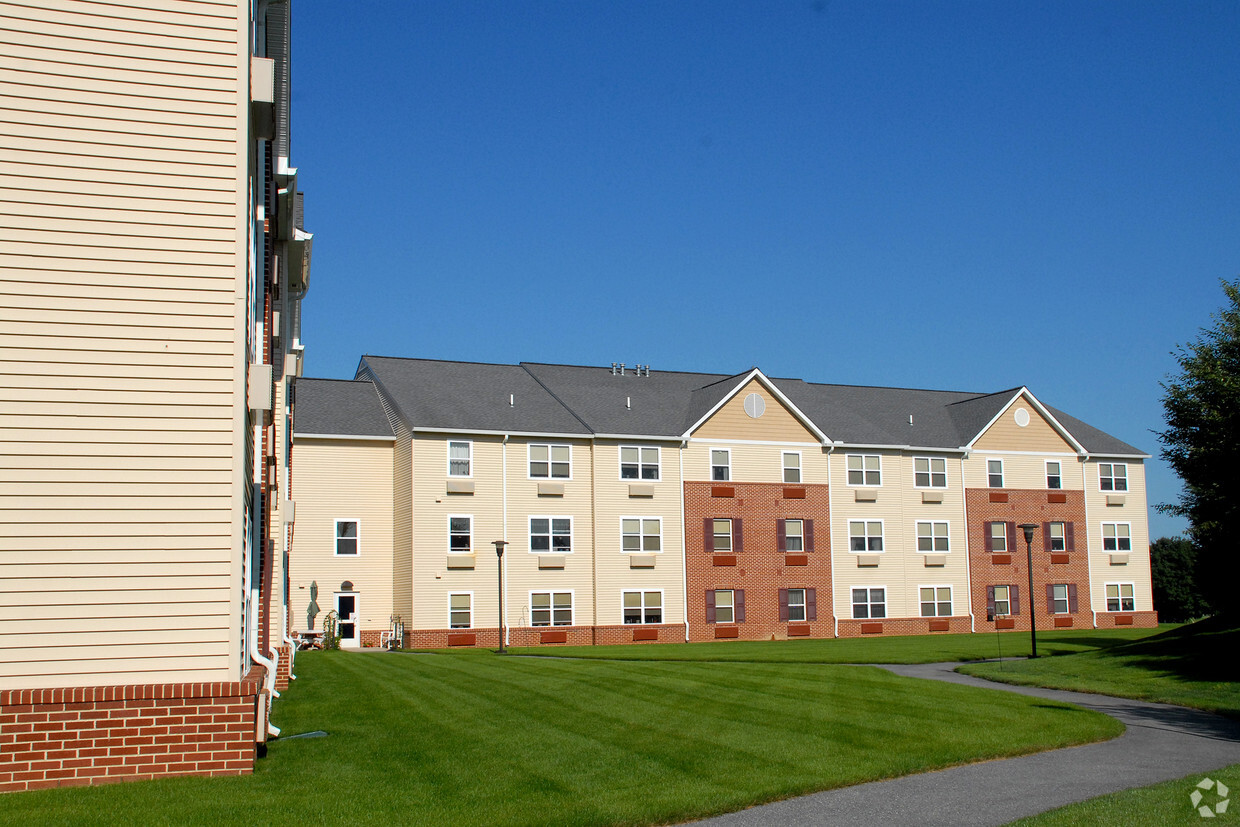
(554,396)
(440,361)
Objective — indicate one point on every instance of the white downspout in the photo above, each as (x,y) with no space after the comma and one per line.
(292,644)
(968,570)
(504,561)
(1089,555)
(684,546)
(252,638)
(830,533)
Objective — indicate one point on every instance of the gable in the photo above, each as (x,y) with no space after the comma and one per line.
(1039,435)
(776,424)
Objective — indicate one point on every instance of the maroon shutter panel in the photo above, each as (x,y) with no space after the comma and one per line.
(811,604)
(1050,598)
(1072,597)
(990,545)
(738,596)
(1014,594)
(738,544)
(990,601)
(708,534)
(710,605)
(1011,532)
(781,535)
(1068,543)
(783,603)
(1046,536)
(808,529)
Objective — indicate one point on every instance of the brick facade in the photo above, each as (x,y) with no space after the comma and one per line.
(904,626)
(283,668)
(99,735)
(758,566)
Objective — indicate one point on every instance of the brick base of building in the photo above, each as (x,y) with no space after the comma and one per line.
(1114,620)
(97,735)
(284,668)
(891,626)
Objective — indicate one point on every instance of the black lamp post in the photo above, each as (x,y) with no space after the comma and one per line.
(1029,528)
(499,556)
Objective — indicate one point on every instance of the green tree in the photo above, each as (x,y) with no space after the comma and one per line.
(1173,562)
(1202,443)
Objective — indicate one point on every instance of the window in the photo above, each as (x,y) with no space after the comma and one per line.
(1116,537)
(1057,598)
(639,462)
(1112,476)
(460,456)
(551,608)
(460,611)
(725,606)
(932,537)
(346,538)
(1055,533)
(723,535)
(929,472)
(869,603)
(643,607)
(460,534)
(792,466)
(865,535)
(1119,597)
(794,536)
(720,464)
(936,601)
(994,473)
(550,462)
(796,605)
(551,535)
(997,534)
(1002,600)
(641,535)
(864,469)
(1054,477)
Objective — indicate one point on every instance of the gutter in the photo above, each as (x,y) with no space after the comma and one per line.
(684,546)
(968,570)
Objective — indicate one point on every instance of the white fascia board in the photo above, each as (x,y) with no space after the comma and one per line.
(481,432)
(355,437)
(756,373)
(1104,455)
(938,449)
(711,441)
(641,437)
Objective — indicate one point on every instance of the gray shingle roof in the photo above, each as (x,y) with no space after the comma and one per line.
(338,407)
(577,399)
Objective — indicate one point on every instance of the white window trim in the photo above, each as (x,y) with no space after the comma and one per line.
(804,604)
(471,609)
(572,596)
(1002,472)
(472,548)
(733,621)
(863,483)
(640,551)
(931,523)
(336,537)
(951,599)
(731,534)
(1121,583)
(800,520)
(1067,600)
(710,457)
(662,606)
(468,476)
(784,468)
(528,448)
(529,534)
(1048,474)
(1112,489)
(1063,537)
(1102,529)
(868,587)
(990,528)
(931,486)
(1007,600)
(882,529)
(638,479)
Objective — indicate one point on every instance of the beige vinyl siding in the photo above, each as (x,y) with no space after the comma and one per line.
(1024,471)
(777,423)
(342,479)
(122,205)
(1135,512)
(1039,435)
(756,463)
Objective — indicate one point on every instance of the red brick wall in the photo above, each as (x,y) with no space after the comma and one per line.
(903,626)
(98,735)
(1141,620)
(760,568)
(283,668)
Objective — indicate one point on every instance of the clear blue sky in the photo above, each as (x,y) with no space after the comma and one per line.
(970,196)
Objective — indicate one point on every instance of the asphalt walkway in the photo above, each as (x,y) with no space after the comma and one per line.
(1161,743)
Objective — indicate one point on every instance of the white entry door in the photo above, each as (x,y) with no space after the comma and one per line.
(346,609)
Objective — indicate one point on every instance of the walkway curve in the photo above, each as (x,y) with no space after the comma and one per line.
(1161,743)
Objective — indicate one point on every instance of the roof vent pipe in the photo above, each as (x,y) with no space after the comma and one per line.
(622,368)
(910,419)
(511,400)
(613,368)
(628,402)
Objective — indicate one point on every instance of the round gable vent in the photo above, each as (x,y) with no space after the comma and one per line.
(755,405)
(1021,416)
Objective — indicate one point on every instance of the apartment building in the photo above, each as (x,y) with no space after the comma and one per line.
(653,506)
(152,264)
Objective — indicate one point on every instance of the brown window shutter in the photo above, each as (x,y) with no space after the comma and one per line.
(990,601)
(710,605)
(1046,537)
(708,535)
(781,536)
(738,597)
(1072,597)
(1011,532)
(1068,543)
(1014,594)
(990,546)
(811,604)
(783,603)
(738,544)
(808,529)
(1050,598)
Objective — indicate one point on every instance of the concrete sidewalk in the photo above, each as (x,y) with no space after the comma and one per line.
(1161,743)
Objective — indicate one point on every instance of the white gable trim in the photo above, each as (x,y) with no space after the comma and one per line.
(1041,409)
(774,391)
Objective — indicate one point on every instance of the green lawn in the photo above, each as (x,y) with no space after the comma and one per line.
(911,649)
(1192,666)
(473,738)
